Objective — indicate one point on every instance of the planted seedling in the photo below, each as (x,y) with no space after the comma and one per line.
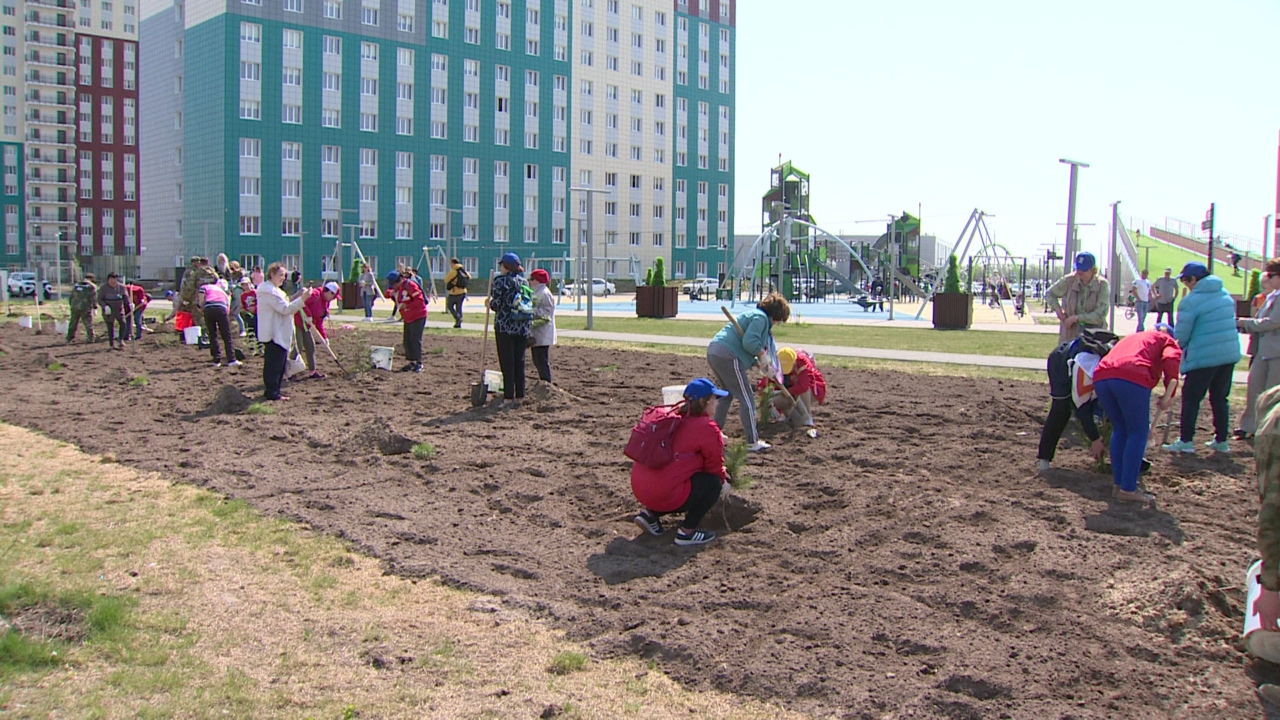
(424,451)
(735,462)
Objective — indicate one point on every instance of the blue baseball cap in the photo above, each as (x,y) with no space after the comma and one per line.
(393,277)
(701,388)
(1085,261)
(1193,270)
(1165,328)
(510,259)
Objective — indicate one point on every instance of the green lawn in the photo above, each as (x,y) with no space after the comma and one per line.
(1164,255)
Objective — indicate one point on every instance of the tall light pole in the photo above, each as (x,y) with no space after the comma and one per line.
(1071,247)
(591,244)
(893,263)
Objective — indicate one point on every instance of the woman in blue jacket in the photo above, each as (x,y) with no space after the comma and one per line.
(1206,331)
(730,355)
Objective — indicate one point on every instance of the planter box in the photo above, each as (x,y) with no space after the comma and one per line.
(350,296)
(1244,308)
(657,302)
(952,311)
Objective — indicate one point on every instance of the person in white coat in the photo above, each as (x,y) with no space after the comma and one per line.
(275,328)
(1264,348)
(543,333)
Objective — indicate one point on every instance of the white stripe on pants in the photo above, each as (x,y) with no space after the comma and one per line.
(730,374)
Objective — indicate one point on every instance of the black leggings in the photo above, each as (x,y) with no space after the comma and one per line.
(1059,416)
(1216,381)
(218,323)
(273,365)
(511,359)
(413,339)
(542,361)
(704,490)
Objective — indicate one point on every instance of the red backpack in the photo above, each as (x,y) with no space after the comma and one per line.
(652,439)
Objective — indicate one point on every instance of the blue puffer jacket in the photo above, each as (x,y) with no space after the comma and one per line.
(1206,327)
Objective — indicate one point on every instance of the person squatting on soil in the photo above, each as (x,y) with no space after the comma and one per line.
(1264,348)
(275,328)
(542,331)
(139,298)
(315,308)
(215,303)
(1124,380)
(456,281)
(409,300)
(693,481)
(730,355)
(1081,299)
(83,301)
(805,387)
(1267,454)
(513,314)
(114,301)
(1206,332)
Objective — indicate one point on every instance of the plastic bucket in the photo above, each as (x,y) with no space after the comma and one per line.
(60,326)
(24,321)
(191,335)
(493,379)
(381,357)
(1262,643)
(672,394)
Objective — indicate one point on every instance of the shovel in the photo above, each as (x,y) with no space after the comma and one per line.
(325,341)
(480,390)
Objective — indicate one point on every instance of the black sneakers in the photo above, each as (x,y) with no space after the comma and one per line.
(694,537)
(649,523)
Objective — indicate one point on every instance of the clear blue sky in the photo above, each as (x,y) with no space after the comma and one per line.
(956,105)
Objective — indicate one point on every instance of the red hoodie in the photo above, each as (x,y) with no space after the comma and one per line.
(699,447)
(408,297)
(138,297)
(313,307)
(1142,358)
(805,376)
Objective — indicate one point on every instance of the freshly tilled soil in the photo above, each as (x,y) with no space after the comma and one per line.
(905,563)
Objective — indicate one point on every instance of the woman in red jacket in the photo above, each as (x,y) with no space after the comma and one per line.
(413,311)
(693,481)
(1124,380)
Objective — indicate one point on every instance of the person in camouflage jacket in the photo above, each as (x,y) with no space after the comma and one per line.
(84,300)
(1267,453)
(198,274)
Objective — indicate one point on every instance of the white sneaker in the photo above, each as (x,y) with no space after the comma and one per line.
(1042,466)
(233,363)
(758,446)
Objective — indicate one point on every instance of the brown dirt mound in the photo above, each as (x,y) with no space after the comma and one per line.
(379,435)
(48,622)
(228,401)
(907,562)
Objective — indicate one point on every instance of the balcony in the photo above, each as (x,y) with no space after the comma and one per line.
(37,78)
(48,40)
(66,4)
(49,121)
(53,20)
(36,59)
(36,180)
(51,100)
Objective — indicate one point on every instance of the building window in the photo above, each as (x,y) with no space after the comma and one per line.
(250,225)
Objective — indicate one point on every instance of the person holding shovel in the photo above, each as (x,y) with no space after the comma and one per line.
(740,345)
(412,305)
(140,299)
(83,300)
(1124,380)
(695,479)
(513,315)
(315,308)
(275,329)
(804,388)
(114,301)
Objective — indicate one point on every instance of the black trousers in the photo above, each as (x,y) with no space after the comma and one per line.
(511,359)
(413,339)
(114,320)
(1217,382)
(453,305)
(1163,309)
(273,364)
(704,490)
(218,324)
(542,361)
(1059,416)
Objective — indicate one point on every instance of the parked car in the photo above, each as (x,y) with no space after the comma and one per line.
(599,286)
(700,288)
(23,284)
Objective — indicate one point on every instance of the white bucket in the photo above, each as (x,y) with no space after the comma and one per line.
(191,335)
(60,326)
(672,394)
(381,357)
(24,321)
(1261,643)
(493,379)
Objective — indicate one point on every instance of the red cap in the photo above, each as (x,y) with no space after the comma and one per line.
(541,276)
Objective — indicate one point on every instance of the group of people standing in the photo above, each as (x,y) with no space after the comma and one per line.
(122,308)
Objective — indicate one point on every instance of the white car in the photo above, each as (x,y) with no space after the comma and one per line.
(599,286)
(701,287)
(23,284)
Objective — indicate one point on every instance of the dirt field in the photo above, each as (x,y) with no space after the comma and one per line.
(906,563)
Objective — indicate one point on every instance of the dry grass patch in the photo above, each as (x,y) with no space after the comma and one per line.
(234,615)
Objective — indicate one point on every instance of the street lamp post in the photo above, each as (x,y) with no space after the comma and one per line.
(591,242)
(1071,247)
